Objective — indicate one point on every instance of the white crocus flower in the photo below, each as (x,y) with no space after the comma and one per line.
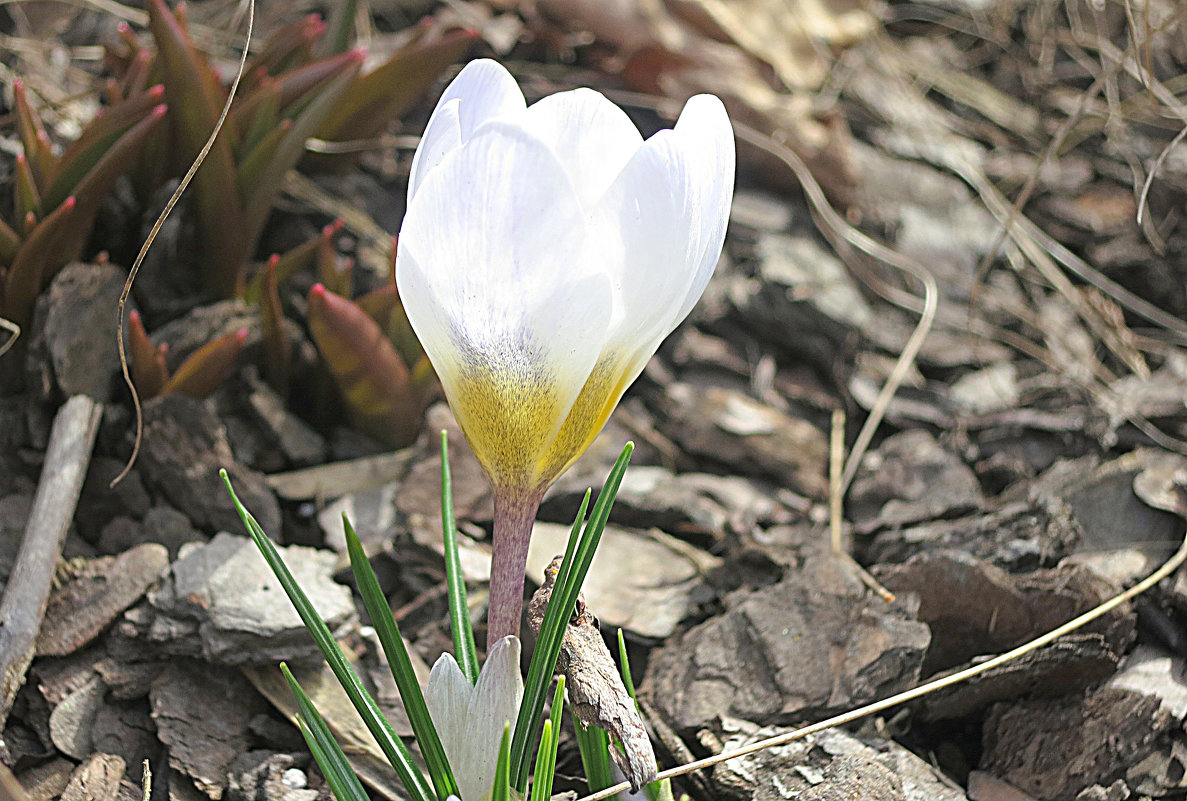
(470,718)
(546,252)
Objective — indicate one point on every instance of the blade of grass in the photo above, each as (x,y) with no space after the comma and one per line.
(624,666)
(549,741)
(594,745)
(501,791)
(578,557)
(659,790)
(464,649)
(542,779)
(325,749)
(392,642)
(391,745)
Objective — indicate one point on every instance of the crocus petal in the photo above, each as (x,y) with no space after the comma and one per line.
(496,283)
(470,719)
(448,700)
(494,704)
(709,143)
(483,90)
(593,138)
(660,225)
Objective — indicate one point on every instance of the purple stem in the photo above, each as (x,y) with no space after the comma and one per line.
(514,516)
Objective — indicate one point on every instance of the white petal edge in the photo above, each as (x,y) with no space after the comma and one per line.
(670,206)
(448,697)
(593,138)
(483,90)
(704,125)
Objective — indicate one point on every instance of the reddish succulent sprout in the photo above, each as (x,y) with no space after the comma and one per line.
(158,111)
(102,258)
(21,159)
(318,291)
(134,318)
(331,230)
(273,261)
(315,26)
(241,336)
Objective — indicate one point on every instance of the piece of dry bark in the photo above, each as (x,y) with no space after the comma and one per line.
(593,684)
(97,779)
(95,595)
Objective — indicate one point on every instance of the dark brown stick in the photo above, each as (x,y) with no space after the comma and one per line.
(25,597)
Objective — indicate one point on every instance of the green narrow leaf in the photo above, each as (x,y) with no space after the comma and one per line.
(594,745)
(388,632)
(541,778)
(578,557)
(540,670)
(624,665)
(464,649)
(391,745)
(549,741)
(662,789)
(501,791)
(325,749)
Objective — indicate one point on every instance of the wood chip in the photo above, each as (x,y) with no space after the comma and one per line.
(96,595)
(594,687)
(97,779)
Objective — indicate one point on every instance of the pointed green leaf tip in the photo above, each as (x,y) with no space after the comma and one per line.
(392,746)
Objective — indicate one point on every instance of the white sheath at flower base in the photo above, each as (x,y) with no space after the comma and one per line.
(470,718)
(546,252)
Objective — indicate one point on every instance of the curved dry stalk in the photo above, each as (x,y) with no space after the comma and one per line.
(837,225)
(1169,567)
(1154,169)
(152,235)
(14,332)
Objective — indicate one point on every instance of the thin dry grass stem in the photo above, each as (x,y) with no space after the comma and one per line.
(1032,181)
(14,333)
(152,235)
(1158,575)
(1154,170)
(836,503)
(836,463)
(145,781)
